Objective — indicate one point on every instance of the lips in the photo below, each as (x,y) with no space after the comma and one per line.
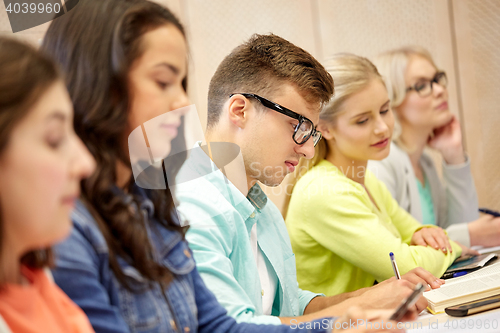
(442,106)
(382,143)
(171,129)
(70,200)
(291,165)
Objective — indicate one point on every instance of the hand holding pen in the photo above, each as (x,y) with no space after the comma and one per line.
(416,275)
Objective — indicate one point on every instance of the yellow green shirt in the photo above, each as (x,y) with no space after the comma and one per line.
(342,241)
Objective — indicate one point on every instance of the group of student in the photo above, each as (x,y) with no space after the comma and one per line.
(210,254)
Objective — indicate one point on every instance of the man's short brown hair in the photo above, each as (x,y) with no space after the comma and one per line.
(261,66)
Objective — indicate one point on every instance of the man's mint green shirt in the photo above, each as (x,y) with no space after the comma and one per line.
(221,219)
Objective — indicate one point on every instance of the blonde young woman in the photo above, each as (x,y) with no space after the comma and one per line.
(343,222)
(417,89)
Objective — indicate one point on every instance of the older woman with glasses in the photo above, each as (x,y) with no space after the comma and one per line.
(417,89)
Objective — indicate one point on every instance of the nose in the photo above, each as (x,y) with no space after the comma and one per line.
(437,89)
(181,100)
(306,149)
(83,163)
(381,126)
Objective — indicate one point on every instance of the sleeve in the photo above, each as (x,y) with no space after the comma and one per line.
(461,193)
(77,274)
(362,239)
(212,317)
(211,240)
(305,297)
(459,233)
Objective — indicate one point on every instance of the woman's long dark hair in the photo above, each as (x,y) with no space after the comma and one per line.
(26,74)
(96,44)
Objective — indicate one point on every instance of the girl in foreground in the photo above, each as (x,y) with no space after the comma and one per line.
(41,164)
(126,263)
(419,97)
(343,223)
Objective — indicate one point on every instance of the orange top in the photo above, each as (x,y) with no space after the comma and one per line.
(40,307)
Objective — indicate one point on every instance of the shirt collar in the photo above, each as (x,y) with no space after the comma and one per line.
(257,197)
(200,165)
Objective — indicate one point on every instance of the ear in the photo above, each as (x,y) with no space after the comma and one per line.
(326,130)
(238,110)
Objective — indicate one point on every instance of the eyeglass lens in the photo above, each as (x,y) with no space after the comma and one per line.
(425,88)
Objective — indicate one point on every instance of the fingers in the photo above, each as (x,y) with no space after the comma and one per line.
(421,304)
(417,239)
(472,252)
(433,237)
(420,275)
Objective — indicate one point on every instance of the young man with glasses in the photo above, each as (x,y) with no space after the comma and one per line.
(263,106)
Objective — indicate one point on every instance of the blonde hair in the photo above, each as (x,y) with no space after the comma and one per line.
(351,74)
(392,65)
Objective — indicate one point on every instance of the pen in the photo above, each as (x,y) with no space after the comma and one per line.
(454,274)
(489,211)
(394,266)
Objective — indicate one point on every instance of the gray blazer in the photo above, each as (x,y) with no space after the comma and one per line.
(455,201)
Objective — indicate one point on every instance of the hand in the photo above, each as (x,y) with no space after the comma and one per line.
(434,237)
(355,321)
(485,231)
(467,251)
(420,275)
(448,141)
(388,295)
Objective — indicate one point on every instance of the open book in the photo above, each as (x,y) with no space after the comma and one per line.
(473,286)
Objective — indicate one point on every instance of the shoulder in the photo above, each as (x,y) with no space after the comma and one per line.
(323,176)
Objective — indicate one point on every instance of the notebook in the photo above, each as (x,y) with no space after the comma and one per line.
(473,286)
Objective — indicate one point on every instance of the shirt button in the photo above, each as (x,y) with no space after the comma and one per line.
(262,292)
(186,329)
(252,215)
(187,253)
(172,323)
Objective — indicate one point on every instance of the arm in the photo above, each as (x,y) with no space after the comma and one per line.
(365,241)
(212,317)
(211,240)
(77,274)
(461,193)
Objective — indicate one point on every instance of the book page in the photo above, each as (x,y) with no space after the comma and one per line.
(478,281)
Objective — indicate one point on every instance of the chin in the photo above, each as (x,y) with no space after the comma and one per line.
(443,119)
(381,154)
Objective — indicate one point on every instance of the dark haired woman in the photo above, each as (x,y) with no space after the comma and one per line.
(126,263)
(41,164)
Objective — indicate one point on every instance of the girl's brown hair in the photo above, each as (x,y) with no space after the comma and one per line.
(26,74)
(96,44)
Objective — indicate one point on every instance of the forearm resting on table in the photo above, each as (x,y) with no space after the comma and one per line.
(320,307)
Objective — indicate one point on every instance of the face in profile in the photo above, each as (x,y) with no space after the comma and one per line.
(155,86)
(427,112)
(269,151)
(362,130)
(40,172)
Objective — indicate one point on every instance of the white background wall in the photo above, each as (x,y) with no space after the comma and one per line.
(462,35)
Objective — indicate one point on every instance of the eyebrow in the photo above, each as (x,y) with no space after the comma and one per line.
(366,112)
(169,66)
(56,115)
(425,78)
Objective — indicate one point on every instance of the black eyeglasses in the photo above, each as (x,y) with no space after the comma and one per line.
(303,130)
(424,87)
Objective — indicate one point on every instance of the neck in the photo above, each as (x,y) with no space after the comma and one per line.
(352,169)
(10,268)
(235,170)
(414,140)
